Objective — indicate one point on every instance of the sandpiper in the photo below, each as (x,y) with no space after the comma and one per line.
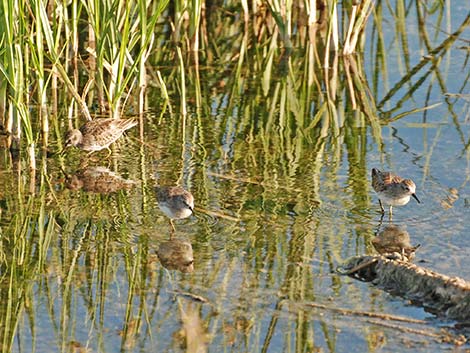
(98,134)
(175,202)
(392,189)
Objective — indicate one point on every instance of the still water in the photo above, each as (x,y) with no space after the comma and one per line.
(278,209)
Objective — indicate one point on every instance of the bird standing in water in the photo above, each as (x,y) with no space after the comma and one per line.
(392,189)
(175,202)
(98,134)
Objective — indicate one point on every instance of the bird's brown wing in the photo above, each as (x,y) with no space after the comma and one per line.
(382,179)
(124,124)
(105,131)
(390,178)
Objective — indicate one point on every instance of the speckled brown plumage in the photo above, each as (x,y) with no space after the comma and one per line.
(392,189)
(98,134)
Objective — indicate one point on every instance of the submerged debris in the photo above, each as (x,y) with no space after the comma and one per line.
(440,294)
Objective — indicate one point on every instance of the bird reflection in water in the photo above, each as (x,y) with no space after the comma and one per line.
(394,239)
(98,180)
(176,254)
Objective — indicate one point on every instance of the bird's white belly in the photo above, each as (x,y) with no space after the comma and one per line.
(175,213)
(394,201)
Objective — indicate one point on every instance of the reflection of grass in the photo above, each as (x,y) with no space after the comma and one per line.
(24,253)
(433,58)
(53,256)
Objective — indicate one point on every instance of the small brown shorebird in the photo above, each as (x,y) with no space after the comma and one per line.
(98,134)
(392,189)
(175,202)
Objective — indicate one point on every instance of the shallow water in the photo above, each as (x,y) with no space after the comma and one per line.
(276,214)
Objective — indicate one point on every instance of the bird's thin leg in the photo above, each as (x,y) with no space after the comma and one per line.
(90,156)
(381,206)
(380,224)
(390,212)
(173,229)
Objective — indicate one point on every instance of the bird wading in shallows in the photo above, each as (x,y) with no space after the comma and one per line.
(98,134)
(392,189)
(175,202)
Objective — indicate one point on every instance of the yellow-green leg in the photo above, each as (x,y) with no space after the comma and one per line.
(173,229)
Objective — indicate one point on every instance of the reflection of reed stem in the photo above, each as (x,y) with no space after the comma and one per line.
(250,181)
(446,43)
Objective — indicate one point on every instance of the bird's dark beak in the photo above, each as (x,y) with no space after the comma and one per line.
(66,145)
(415,197)
(189,206)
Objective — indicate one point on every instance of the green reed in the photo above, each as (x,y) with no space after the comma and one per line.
(112,41)
(48,46)
(43,43)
